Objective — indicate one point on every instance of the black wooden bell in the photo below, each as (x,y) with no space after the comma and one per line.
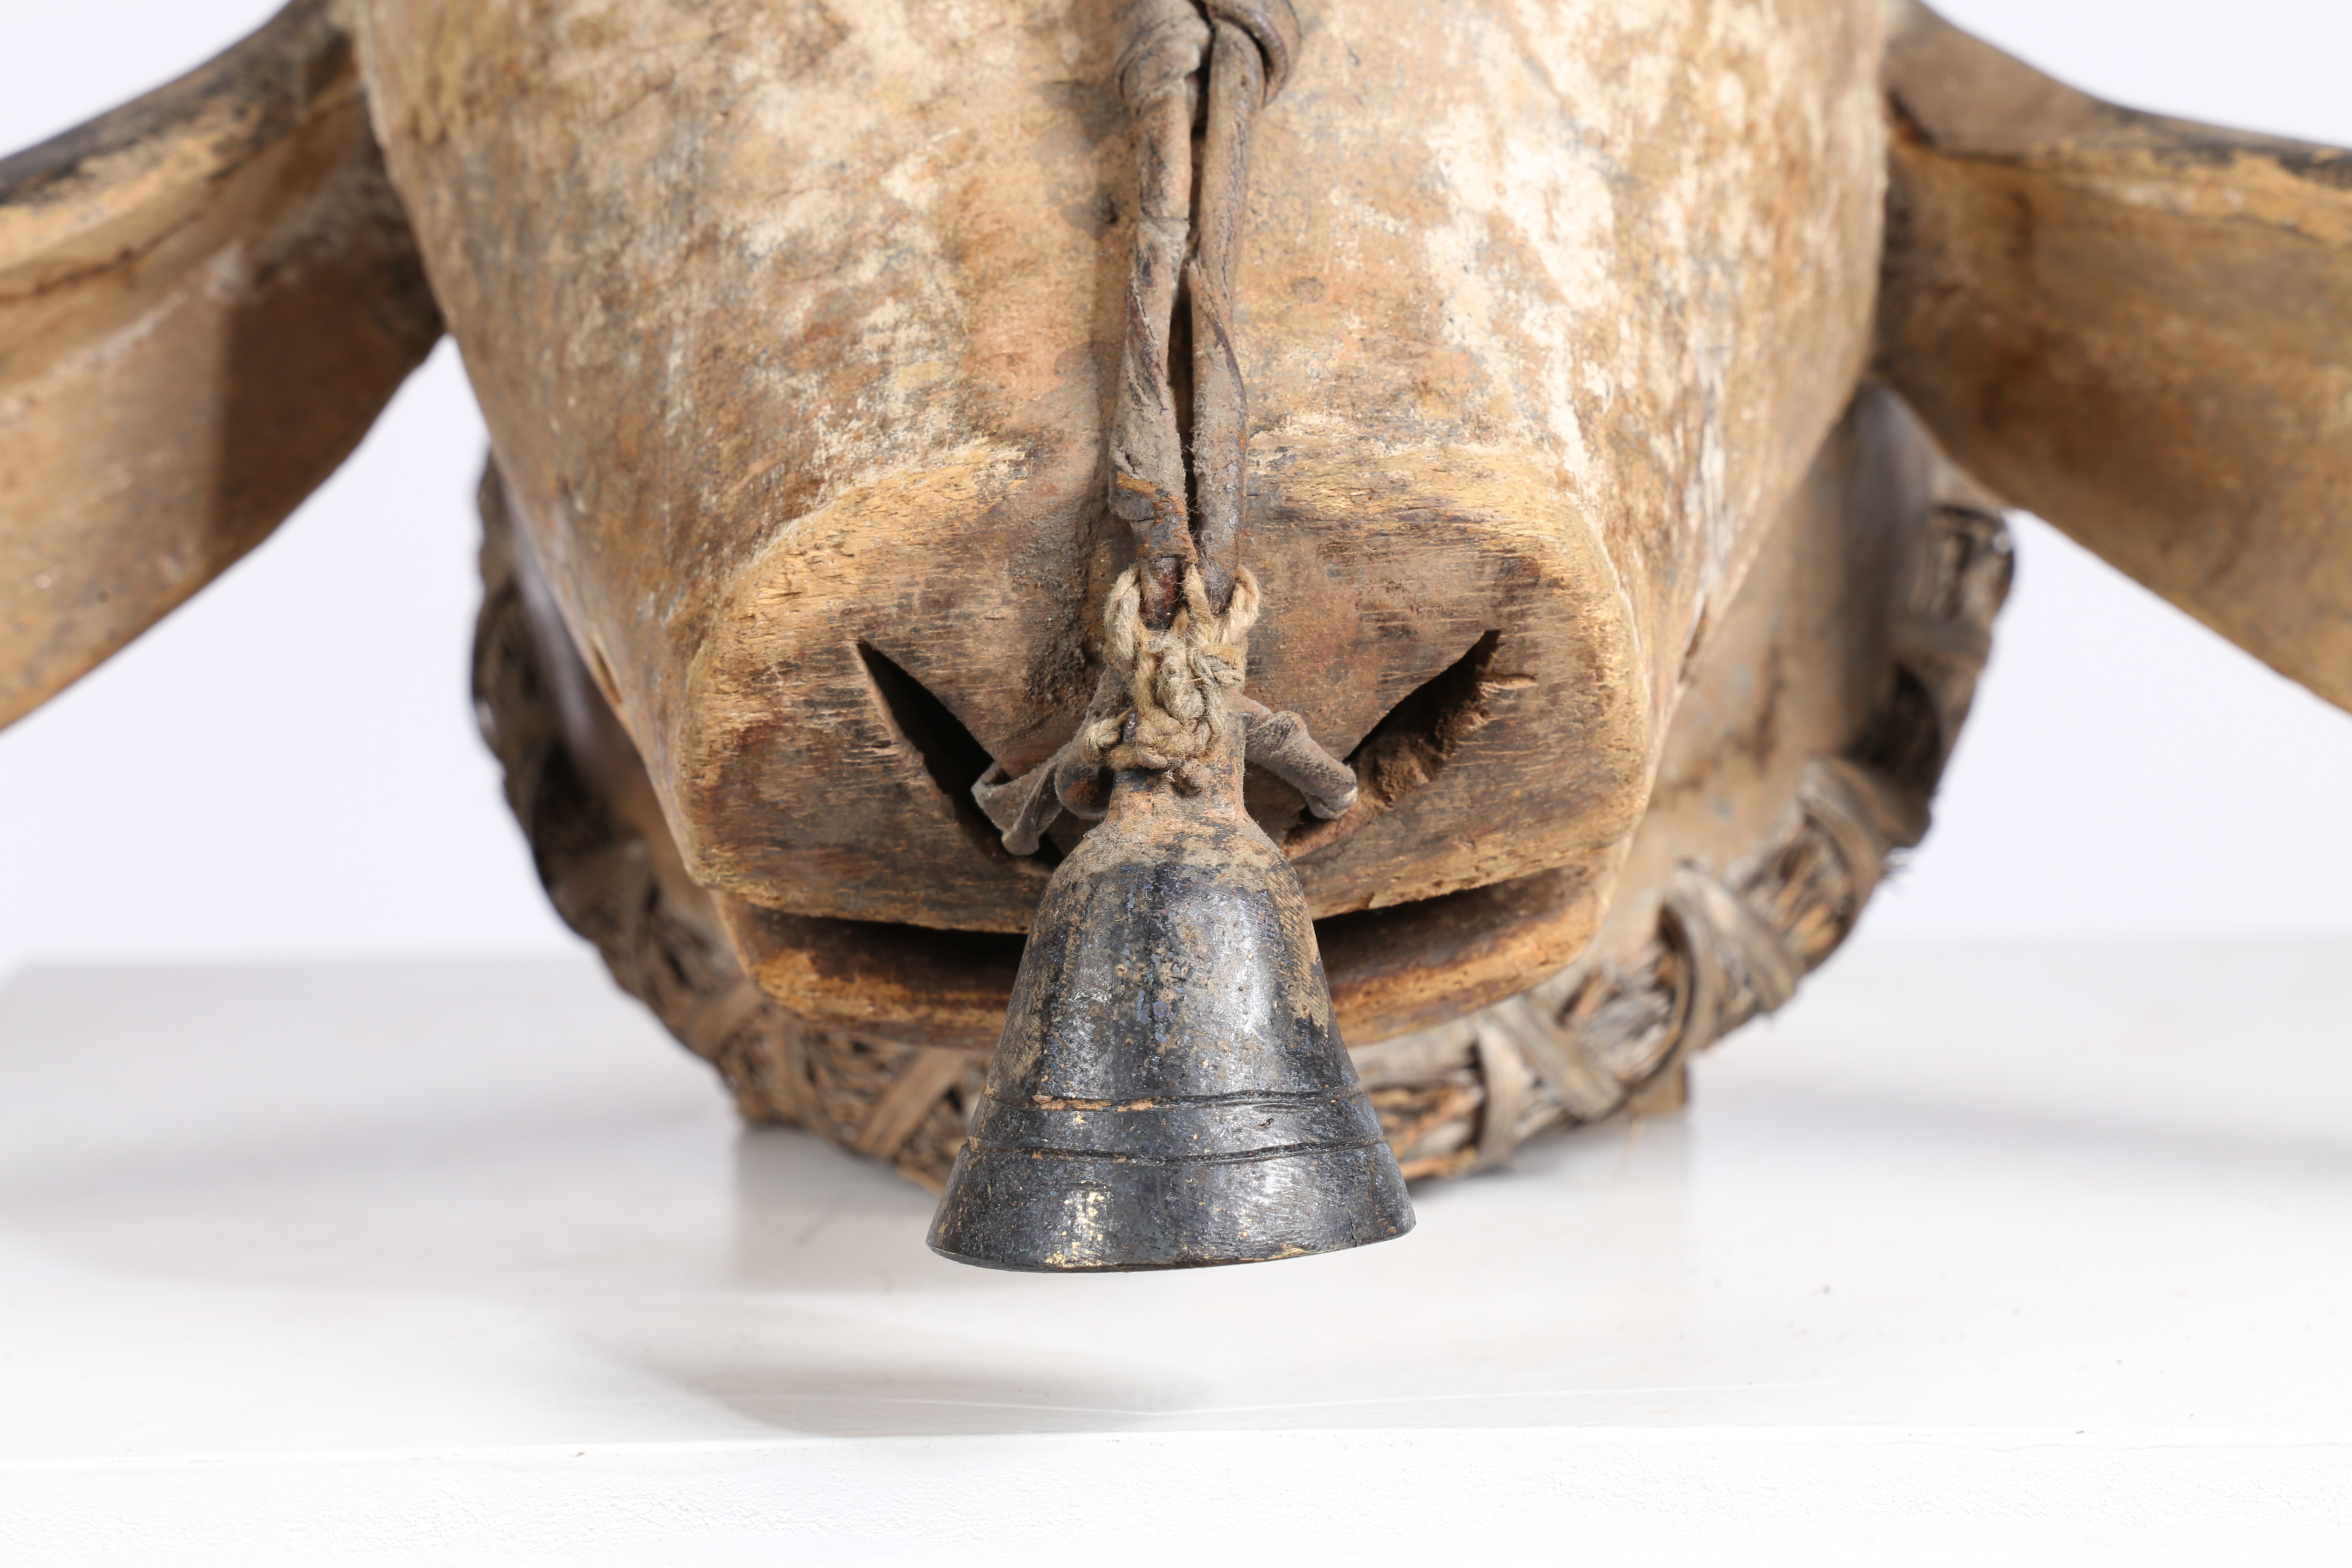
(1170,1090)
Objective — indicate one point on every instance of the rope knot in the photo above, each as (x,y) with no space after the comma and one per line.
(1176,679)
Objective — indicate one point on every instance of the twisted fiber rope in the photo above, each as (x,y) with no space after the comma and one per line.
(1175,677)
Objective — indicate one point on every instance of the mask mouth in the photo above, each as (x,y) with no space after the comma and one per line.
(1392,971)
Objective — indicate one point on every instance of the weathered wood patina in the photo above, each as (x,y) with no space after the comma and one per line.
(1602,360)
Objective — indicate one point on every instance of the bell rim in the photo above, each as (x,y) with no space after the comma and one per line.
(1194,1213)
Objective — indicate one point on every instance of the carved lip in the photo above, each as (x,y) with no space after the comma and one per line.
(1393,970)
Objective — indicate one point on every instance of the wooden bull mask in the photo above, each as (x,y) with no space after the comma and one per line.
(1594,366)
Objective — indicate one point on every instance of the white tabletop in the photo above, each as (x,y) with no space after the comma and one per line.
(1974,1251)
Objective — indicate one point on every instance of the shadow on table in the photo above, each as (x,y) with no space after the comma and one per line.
(832,1322)
(918,1345)
(808,1216)
(474,1157)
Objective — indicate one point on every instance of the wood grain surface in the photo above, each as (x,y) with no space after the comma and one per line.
(1589,529)
(796,350)
(2141,329)
(205,299)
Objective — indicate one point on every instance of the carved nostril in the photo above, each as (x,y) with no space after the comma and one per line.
(1416,740)
(950,754)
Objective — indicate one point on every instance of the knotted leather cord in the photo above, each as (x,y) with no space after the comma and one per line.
(1176,630)
(1239,82)
(1159,77)
(1177,625)
(1248,48)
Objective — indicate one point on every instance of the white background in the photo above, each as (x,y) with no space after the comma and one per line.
(287,765)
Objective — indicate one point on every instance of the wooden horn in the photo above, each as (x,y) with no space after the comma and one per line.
(207,296)
(2140,327)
